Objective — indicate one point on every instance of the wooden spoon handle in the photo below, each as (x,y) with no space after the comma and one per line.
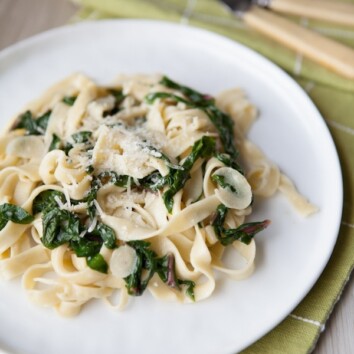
(332,55)
(327,10)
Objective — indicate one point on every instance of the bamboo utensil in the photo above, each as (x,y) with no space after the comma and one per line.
(327,52)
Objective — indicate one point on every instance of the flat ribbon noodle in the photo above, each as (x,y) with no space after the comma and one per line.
(140,142)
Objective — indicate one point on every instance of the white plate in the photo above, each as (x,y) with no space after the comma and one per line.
(291,253)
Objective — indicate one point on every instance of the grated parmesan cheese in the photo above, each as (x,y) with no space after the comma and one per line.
(60,203)
(67,197)
(98,207)
(93,224)
(83,233)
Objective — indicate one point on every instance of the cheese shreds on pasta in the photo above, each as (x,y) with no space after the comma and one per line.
(128,188)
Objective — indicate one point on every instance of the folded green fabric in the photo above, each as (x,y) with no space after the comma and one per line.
(212,15)
(334,97)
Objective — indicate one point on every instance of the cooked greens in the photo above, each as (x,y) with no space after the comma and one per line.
(31,125)
(46,200)
(14,213)
(222,122)
(118,99)
(69,100)
(203,148)
(148,263)
(227,161)
(243,233)
(55,143)
(220,180)
(97,263)
(81,137)
(61,226)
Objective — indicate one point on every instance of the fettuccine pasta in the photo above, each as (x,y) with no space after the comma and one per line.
(128,188)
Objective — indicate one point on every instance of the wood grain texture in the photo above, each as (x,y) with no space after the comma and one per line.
(326,10)
(20,19)
(323,50)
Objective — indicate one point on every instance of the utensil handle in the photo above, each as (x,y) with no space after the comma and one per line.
(332,55)
(331,11)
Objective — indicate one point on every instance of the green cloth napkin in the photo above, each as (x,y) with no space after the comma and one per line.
(334,97)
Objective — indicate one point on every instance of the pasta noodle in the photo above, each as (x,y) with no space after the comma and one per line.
(136,186)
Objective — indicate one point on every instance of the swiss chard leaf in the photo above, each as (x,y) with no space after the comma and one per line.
(133,281)
(205,147)
(118,97)
(59,226)
(219,219)
(31,125)
(14,213)
(81,137)
(222,122)
(193,95)
(98,263)
(3,222)
(90,169)
(114,178)
(67,147)
(156,153)
(224,125)
(84,247)
(55,144)
(151,97)
(46,200)
(167,271)
(107,234)
(220,180)
(148,261)
(190,287)
(243,233)
(62,226)
(26,121)
(69,100)
(227,161)
(154,181)
(42,121)
(78,138)
(91,197)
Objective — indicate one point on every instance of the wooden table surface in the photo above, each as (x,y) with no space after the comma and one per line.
(20,19)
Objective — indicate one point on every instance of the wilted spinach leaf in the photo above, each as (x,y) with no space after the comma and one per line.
(222,122)
(148,261)
(55,144)
(46,200)
(81,137)
(205,147)
(14,213)
(31,125)
(97,263)
(69,100)
(220,180)
(243,233)
(59,226)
